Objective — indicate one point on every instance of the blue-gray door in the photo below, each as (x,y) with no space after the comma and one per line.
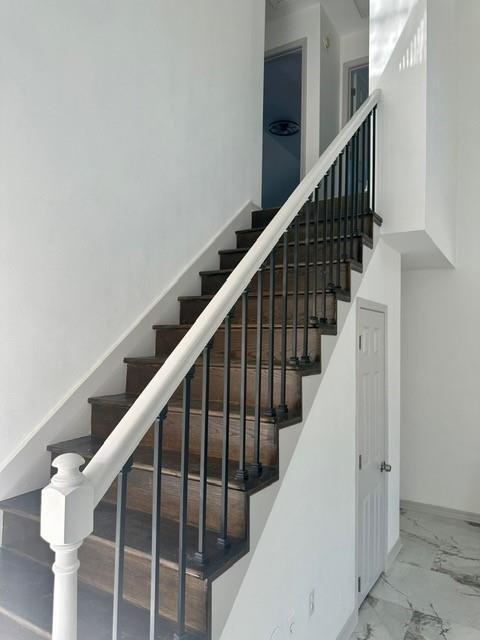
(282,121)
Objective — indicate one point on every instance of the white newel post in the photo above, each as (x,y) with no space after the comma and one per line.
(66,519)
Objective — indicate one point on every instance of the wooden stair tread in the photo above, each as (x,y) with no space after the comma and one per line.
(356,236)
(273,212)
(215,408)
(215,363)
(87,446)
(341,294)
(138,535)
(26,590)
(336,218)
(330,329)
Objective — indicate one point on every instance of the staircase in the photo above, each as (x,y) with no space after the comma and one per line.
(178,514)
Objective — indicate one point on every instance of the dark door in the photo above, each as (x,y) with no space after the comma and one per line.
(282,117)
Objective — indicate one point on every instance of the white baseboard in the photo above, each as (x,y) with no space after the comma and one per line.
(28,467)
(444,512)
(393,553)
(349,626)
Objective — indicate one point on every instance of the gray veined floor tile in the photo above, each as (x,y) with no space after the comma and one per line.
(454,536)
(417,551)
(394,619)
(369,625)
(431,593)
(430,627)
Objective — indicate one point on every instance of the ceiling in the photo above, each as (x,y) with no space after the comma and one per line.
(345,14)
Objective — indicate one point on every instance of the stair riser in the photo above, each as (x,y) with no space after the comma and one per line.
(167,340)
(262,218)
(139,497)
(327,252)
(139,375)
(104,421)
(191,309)
(211,283)
(97,569)
(246,239)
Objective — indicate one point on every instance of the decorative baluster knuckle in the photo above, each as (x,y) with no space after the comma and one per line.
(67,503)
(66,520)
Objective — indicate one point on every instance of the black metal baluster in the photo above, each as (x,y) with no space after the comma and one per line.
(182,525)
(283,408)
(364,174)
(294,356)
(314,317)
(200,555)
(339,220)
(270,411)
(257,465)
(354,194)
(346,201)
(357,178)
(331,283)
(323,319)
(242,473)
(374,153)
(122,486)
(305,359)
(156,520)
(367,168)
(351,190)
(222,540)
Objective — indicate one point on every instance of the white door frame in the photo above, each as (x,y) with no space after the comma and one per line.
(369,305)
(290,47)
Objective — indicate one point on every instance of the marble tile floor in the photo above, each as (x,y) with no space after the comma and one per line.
(432,592)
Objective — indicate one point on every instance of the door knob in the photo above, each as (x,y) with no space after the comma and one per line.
(385,467)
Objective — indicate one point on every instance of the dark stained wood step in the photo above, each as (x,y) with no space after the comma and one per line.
(141,370)
(262,217)
(213,280)
(26,588)
(169,337)
(192,306)
(107,411)
(326,252)
(137,536)
(247,237)
(139,495)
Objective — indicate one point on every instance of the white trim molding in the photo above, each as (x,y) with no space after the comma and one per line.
(393,554)
(443,512)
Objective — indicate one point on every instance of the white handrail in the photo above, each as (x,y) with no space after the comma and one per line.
(124,439)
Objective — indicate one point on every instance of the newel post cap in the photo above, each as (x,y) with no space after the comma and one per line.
(67,503)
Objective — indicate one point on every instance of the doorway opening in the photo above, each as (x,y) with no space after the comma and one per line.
(282,126)
(356,86)
(372,466)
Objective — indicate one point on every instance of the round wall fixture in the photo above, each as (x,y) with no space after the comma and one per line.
(284,128)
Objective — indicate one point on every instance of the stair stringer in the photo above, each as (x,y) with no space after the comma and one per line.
(227,586)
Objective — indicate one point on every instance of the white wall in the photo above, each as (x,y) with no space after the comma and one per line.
(412,60)
(440,379)
(313,516)
(302,27)
(388,20)
(329,82)
(442,65)
(130,134)
(402,114)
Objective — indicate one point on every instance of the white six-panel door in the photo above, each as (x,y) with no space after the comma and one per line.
(371,450)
